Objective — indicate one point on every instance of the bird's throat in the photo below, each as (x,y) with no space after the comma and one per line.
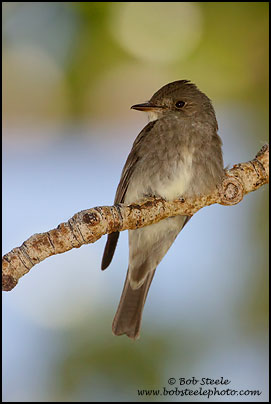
(152,116)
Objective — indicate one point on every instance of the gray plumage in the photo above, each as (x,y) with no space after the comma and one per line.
(177,154)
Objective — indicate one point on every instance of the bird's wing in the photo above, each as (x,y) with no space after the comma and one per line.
(126,174)
(131,161)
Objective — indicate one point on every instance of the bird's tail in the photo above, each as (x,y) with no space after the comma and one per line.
(129,313)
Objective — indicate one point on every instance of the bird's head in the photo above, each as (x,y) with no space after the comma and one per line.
(182,98)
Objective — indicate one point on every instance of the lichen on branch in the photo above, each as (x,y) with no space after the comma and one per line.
(89,225)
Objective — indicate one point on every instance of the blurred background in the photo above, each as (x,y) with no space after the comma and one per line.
(71,71)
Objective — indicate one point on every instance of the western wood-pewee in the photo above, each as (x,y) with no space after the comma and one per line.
(177,154)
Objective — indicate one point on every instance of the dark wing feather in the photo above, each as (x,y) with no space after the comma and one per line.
(126,174)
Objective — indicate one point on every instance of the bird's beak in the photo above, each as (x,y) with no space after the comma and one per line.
(146,106)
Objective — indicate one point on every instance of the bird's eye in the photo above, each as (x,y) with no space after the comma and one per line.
(180,104)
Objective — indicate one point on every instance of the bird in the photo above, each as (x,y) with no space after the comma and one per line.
(178,154)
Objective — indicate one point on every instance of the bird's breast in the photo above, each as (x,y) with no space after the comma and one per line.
(167,175)
(174,180)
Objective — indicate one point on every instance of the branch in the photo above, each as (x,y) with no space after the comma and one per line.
(89,225)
